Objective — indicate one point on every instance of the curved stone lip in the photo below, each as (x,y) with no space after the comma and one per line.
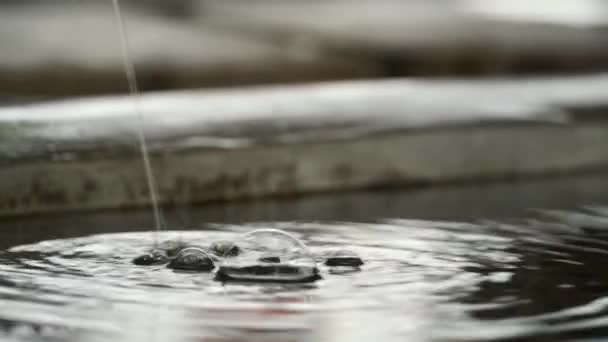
(226,145)
(245,117)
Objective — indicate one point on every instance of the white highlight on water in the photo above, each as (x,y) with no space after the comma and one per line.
(134,92)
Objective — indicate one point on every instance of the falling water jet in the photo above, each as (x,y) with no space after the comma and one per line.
(134,92)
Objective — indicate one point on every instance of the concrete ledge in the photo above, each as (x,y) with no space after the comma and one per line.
(265,141)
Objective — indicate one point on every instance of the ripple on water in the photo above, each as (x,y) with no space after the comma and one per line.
(421,281)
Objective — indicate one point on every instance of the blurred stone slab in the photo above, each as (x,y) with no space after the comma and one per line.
(59,49)
(284,141)
(432,37)
(71,47)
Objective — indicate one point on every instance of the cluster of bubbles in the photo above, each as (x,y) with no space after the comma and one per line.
(262,255)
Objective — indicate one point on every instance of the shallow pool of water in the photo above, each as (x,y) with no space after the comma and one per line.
(459,264)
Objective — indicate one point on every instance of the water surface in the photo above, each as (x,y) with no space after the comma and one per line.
(458,264)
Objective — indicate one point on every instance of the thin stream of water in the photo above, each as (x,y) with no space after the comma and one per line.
(134,92)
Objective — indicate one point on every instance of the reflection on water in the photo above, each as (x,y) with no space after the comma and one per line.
(494,277)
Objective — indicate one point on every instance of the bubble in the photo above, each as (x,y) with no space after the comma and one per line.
(172,247)
(343,258)
(224,248)
(192,259)
(270,259)
(154,257)
(269,255)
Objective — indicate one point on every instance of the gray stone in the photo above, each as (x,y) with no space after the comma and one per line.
(279,141)
(59,50)
(430,37)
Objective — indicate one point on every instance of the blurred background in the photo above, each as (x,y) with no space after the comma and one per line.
(474,186)
(71,47)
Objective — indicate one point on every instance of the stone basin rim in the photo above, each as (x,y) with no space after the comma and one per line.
(242,117)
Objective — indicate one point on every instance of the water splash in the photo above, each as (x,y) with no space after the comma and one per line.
(134,91)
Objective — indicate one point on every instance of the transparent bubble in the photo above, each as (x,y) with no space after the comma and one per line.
(343,257)
(224,248)
(192,259)
(154,257)
(269,255)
